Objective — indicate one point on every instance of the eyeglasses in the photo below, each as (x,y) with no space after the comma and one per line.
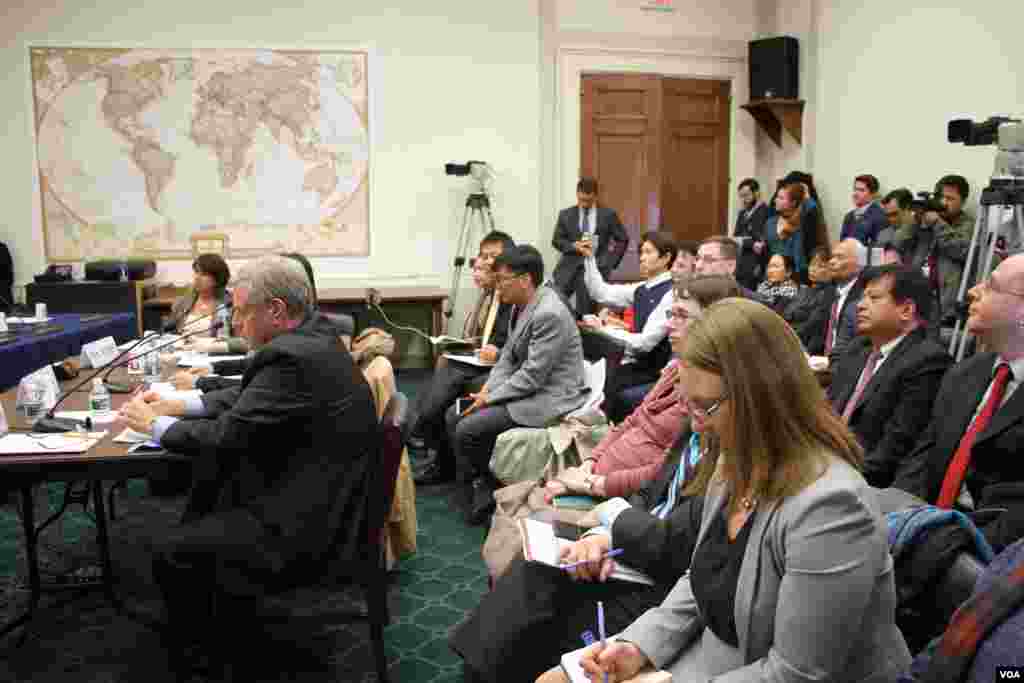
(680,315)
(501,278)
(710,259)
(990,284)
(702,412)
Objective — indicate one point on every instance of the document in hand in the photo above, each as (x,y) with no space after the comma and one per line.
(541,545)
(571,665)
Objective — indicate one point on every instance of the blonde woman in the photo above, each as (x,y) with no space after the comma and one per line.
(791,579)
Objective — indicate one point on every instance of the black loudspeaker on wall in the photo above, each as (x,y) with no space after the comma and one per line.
(774,68)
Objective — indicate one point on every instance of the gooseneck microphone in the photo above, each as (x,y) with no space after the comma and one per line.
(48,423)
(118,388)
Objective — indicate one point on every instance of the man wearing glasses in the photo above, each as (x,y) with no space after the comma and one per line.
(969,457)
(538,378)
(717,256)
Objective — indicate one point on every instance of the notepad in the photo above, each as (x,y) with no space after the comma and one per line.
(469,359)
(541,545)
(571,666)
(42,444)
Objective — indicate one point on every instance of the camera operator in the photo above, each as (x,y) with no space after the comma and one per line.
(914,243)
(952,230)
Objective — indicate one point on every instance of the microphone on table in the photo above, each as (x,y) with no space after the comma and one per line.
(117,388)
(48,423)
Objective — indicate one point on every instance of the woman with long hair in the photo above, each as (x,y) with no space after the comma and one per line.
(791,579)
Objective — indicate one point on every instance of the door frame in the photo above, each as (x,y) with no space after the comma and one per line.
(723,60)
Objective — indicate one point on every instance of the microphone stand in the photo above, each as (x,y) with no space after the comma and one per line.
(116,388)
(49,424)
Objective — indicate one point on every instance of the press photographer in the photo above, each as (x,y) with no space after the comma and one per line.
(952,229)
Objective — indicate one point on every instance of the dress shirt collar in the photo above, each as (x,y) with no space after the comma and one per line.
(845,288)
(658,279)
(887,347)
(1016,367)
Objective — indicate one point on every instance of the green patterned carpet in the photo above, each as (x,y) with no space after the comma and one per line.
(87,641)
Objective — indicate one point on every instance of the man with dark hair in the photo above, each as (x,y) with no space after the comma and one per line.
(686,261)
(717,255)
(750,229)
(647,346)
(952,231)
(884,385)
(487,325)
(580,225)
(538,378)
(866,219)
(969,456)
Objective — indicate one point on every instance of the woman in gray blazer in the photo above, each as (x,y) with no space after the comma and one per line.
(791,579)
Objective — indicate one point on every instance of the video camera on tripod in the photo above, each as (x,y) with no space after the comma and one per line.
(927,201)
(994,229)
(477,212)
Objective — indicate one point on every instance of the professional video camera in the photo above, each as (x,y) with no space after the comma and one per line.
(927,201)
(1006,132)
(480,171)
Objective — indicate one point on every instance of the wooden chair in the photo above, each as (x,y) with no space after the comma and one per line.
(367,568)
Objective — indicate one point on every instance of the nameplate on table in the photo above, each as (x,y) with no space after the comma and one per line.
(99,353)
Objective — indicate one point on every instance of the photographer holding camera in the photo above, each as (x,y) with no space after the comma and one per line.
(951,230)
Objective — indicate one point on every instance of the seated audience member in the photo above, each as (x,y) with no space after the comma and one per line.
(783,232)
(885,383)
(487,324)
(198,308)
(536,612)
(791,578)
(892,255)
(779,288)
(985,635)
(969,456)
(808,313)
(273,500)
(717,255)
(538,378)
(750,226)
(686,262)
(866,219)
(952,231)
(647,349)
(586,225)
(633,451)
(847,264)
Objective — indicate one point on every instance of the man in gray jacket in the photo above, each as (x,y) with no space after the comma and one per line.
(538,378)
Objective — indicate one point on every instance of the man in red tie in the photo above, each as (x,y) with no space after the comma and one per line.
(886,382)
(971,457)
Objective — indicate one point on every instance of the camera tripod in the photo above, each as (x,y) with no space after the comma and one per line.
(990,233)
(478,211)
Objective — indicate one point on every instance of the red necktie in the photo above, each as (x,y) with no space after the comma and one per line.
(865,377)
(831,325)
(957,469)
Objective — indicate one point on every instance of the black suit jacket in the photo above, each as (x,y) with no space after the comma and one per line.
(567,231)
(662,548)
(292,445)
(995,478)
(750,268)
(896,404)
(846,320)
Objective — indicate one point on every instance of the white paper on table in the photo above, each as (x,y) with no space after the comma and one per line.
(98,417)
(191,359)
(29,444)
(129,435)
(167,391)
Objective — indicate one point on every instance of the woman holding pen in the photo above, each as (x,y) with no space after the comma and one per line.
(791,579)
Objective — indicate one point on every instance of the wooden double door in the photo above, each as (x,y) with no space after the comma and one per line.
(659,148)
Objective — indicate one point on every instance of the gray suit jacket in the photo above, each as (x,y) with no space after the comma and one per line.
(539,375)
(815,599)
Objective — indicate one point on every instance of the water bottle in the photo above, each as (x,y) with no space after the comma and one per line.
(222,320)
(151,364)
(33,403)
(99,398)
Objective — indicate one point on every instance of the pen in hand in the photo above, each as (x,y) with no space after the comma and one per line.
(572,565)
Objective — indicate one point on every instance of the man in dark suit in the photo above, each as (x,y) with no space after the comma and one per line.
(866,219)
(885,383)
(538,378)
(487,326)
(537,612)
(282,462)
(750,226)
(847,264)
(576,227)
(969,457)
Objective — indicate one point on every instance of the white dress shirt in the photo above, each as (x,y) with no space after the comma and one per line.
(656,327)
(843,291)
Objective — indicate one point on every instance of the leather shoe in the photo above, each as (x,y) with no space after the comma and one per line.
(483,503)
(431,474)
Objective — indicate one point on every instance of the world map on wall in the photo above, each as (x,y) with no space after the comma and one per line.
(140,150)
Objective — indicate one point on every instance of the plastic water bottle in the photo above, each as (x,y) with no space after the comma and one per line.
(99,398)
(222,323)
(33,403)
(151,364)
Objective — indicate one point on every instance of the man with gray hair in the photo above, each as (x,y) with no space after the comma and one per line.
(847,264)
(282,462)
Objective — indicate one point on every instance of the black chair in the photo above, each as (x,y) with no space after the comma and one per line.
(368,568)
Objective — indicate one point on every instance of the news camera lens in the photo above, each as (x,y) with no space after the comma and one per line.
(456,169)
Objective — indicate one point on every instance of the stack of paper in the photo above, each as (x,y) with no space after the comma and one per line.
(42,444)
(541,545)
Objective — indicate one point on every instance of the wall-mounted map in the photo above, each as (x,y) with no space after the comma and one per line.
(140,149)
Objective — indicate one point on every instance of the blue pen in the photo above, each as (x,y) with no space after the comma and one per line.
(600,631)
(588,638)
(573,565)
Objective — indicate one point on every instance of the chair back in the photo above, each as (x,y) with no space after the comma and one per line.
(345,323)
(393,424)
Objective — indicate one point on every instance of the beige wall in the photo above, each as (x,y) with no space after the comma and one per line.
(892,73)
(452,81)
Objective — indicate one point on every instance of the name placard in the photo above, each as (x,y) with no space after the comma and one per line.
(99,353)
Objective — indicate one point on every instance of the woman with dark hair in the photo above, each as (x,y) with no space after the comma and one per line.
(779,286)
(784,232)
(198,308)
